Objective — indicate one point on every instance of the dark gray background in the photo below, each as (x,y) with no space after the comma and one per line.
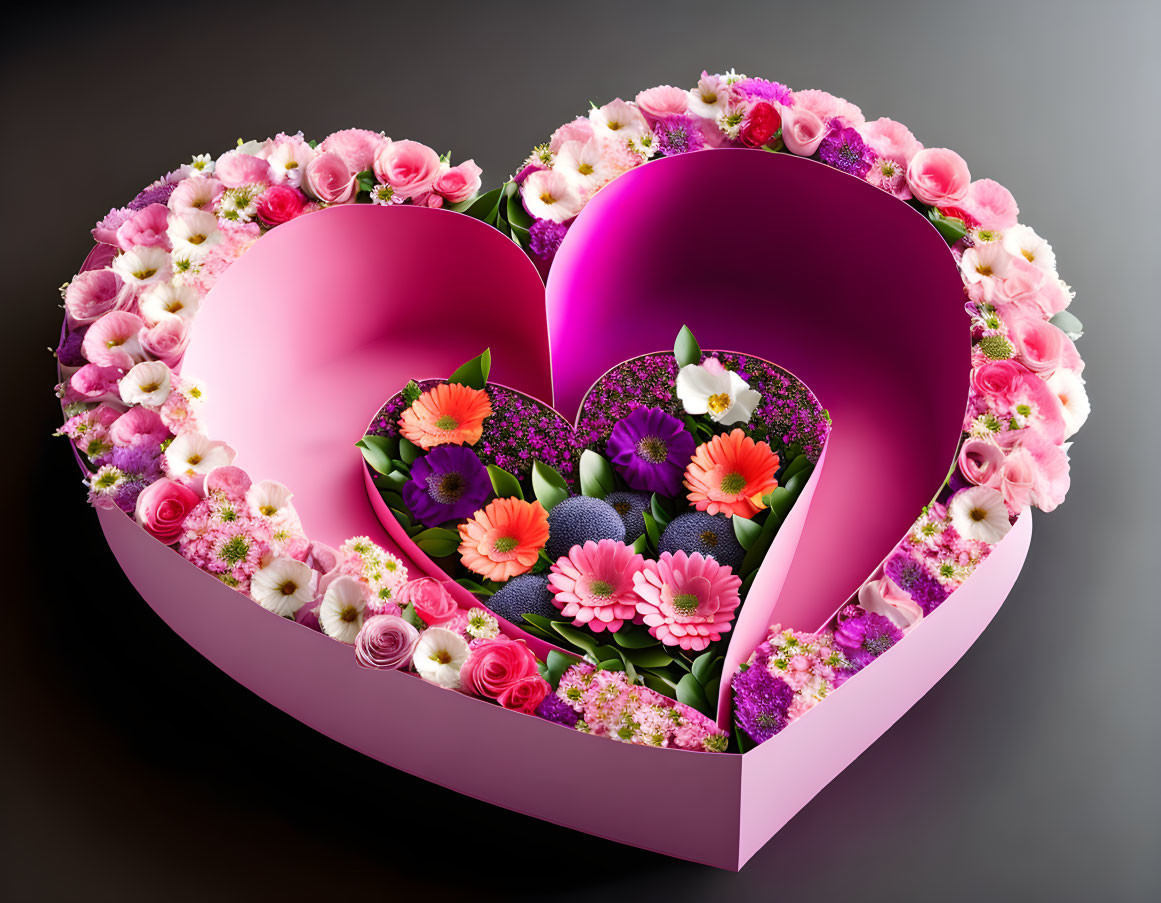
(132,769)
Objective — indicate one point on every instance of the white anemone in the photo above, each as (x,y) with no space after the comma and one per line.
(146,384)
(550,195)
(710,388)
(167,299)
(143,266)
(193,232)
(1022,241)
(194,454)
(439,655)
(1069,388)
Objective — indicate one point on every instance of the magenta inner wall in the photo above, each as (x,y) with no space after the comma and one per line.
(825,275)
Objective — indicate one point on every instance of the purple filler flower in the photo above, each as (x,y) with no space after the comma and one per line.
(915,580)
(760,699)
(678,135)
(157,193)
(843,148)
(864,635)
(545,238)
(448,483)
(761,89)
(556,710)
(650,450)
(141,465)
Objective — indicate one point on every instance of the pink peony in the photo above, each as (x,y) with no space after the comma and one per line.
(145,229)
(407,166)
(494,666)
(891,139)
(357,147)
(593,584)
(280,204)
(686,600)
(92,294)
(580,129)
(433,603)
(991,205)
(459,182)
(138,426)
(162,507)
(938,176)
(662,101)
(330,180)
(235,169)
(385,642)
(166,340)
(802,131)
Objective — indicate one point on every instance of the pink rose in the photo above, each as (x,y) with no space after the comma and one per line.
(662,101)
(138,426)
(385,642)
(980,462)
(495,666)
(883,597)
(357,147)
(162,507)
(407,166)
(998,381)
(525,694)
(433,603)
(827,107)
(991,205)
(938,176)
(459,182)
(330,180)
(95,383)
(280,204)
(1021,284)
(802,131)
(1018,479)
(235,169)
(166,340)
(1039,344)
(92,294)
(146,228)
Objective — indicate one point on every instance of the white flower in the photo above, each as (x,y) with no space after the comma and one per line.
(193,454)
(482,624)
(288,162)
(618,119)
(193,232)
(143,266)
(709,98)
(268,497)
(979,513)
(550,195)
(341,613)
(1022,241)
(146,384)
(1068,386)
(985,264)
(439,655)
(167,299)
(710,388)
(203,163)
(581,164)
(283,586)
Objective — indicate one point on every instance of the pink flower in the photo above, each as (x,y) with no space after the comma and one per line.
(459,182)
(494,666)
(997,382)
(92,294)
(231,481)
(580,129)
(525,694)
(197,193)
(138,426)
(280,204)
(407,166)
(593,584)
(288,156)
(938,176)
(385,642)
(96,383)
(1035,406)
(1035,472)
(662,101)
(686,600)
(891,139)
(827,107)
(357,147)
(235,169)
(980,462)
(883,597)
(166,340)
(162,507)
(112,341)
(802,131)
(330,180)
(146,228)
(105,231)
(1039,344)
(991,205)
(433,603)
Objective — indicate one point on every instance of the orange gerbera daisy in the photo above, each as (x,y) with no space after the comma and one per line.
(448,414)
(730,474)
(504,539)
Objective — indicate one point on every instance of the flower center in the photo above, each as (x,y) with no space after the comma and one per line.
(718,404)
(1029,256)
(547,198)
(585,169)
(601,588)
(685,603)
(446,488)
(442,656)
(447,422)
(983,269)
(709,538)
(653,449)
(193,460)
(733,483)
(622,507)
(268,511)
(289,588)
(144,273)
(349,613)
(505,544)
(234,550)
(978,514)
(196,239)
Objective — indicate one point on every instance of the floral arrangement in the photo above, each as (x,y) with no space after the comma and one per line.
(632,539)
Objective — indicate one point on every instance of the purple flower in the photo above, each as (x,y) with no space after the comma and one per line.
(141,465)
(546,237)
(650,450)
(915,580)
(556,710)
(448,483)
(864,635)
(760,699)
(843,148)
(678,135)
(157,193)
(69,351)
(761,89)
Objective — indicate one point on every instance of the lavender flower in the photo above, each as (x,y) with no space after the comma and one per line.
(650,450)
(448,483)
(546,237)
(864,635)
(140,465)
(843,148)
(157,193)
(915,580)
(556,710)
(761,700)
(678,135)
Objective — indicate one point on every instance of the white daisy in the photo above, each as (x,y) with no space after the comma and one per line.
(580,162)
(710,388)
(203,163)
(550,195)
(482,624)
(439,655)
(194,454)
(143,266)
(979,513)
(1022,241)
(341,613)
(1069,388)
(167,299)
(146,384)
(193,232)
(283,586)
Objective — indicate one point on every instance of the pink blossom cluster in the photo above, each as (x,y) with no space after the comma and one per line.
(609,706)
(811,664)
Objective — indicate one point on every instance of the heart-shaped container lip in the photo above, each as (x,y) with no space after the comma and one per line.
(424,563)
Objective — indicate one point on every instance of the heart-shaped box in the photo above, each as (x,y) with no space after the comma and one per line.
(776,255)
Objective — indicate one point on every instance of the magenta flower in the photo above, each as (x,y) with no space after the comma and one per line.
(650,449)
(593,584)
(687,600)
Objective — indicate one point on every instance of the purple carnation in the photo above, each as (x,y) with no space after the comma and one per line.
(865,635)
(915,580)
(556,710)
(546,237)
(678,135)
(141,465)
(650,450)
(761,700)
(761,89)
(843,148)
(447,484)
(69,351)
(157,193)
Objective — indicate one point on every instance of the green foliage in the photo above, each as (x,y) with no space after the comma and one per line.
(548,485)
(596,475)
(686,349)
(475,372)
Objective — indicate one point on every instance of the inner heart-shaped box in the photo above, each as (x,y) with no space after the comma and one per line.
(775,255)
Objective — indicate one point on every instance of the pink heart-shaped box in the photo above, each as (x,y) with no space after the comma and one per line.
(774,255)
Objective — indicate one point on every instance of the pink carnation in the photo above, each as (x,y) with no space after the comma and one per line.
(146,229)
(580,129)
(827,107)
(662,101)
(991,205)
(138,426)
(357,147)
(235,169)
(593,584)
(891,139)
(105,231)
(687,600)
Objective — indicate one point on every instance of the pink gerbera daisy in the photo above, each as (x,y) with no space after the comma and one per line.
(593,584)
(687,600)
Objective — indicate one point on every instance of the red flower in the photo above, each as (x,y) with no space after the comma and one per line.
(280,204)
(762,123)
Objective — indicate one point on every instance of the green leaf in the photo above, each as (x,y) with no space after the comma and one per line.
(779,501)
(703,666)
(799,464)
(408,451)
(640,545)
(438,542)
(412,618)
(548,485)
(686,349)
(596,475)
(795,483)
(504,484)
(539,621)
(578,638)
(659,513)
(402,516)
(518,217)
(747,531)
(394,481)
(557,663)
(745,744)
(656,657)
(612,664)
(377,451)
(634,638)
(757,552)
(475,372)
(485,207)
(660,683)
(1068,324)
(473,587)
(952,228)
(651,529)
(411,393)
(689,691)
